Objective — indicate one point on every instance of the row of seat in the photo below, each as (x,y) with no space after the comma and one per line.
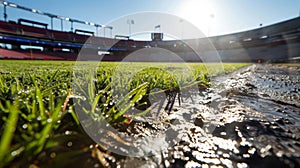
(57,36)
(24,30)
(11,54)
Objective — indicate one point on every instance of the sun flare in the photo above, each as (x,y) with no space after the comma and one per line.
(198,12)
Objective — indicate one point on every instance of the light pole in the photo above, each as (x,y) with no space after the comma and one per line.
(61,25)
(130,22)
(211,16)
(111,32)
(104,28)
(4,11)
(97,26)
(72,25)
(157,28)
(181,22)
(51,22)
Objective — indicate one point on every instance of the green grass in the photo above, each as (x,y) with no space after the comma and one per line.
(37,98)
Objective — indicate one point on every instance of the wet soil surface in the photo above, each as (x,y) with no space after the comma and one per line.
(249,118)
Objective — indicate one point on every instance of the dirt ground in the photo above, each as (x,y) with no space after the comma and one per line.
(248,118)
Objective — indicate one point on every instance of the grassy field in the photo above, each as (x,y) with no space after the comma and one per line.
(38,123)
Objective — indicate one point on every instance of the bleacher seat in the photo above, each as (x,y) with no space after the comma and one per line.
(60,36)
(78,38)
(34,31)
(7,28)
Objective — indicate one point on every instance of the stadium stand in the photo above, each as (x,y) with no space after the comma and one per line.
(60,36)
(6,27)
(11,54)
(277,42)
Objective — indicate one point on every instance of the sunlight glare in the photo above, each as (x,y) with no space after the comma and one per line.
(198,12)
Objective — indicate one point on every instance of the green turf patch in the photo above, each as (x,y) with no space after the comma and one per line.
(38,124)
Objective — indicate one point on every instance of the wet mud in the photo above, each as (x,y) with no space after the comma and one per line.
(249,118)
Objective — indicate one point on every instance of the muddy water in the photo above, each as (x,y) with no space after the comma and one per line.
(249,118)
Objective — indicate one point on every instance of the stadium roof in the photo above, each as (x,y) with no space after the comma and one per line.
(280,28)
(13,5)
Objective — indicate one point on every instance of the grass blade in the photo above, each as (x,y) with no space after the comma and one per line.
(9,130)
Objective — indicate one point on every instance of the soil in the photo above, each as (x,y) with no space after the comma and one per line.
(249,118)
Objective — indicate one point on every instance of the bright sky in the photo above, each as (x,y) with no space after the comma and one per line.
(212,17)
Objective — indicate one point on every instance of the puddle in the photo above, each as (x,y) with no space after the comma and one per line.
(250,118)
